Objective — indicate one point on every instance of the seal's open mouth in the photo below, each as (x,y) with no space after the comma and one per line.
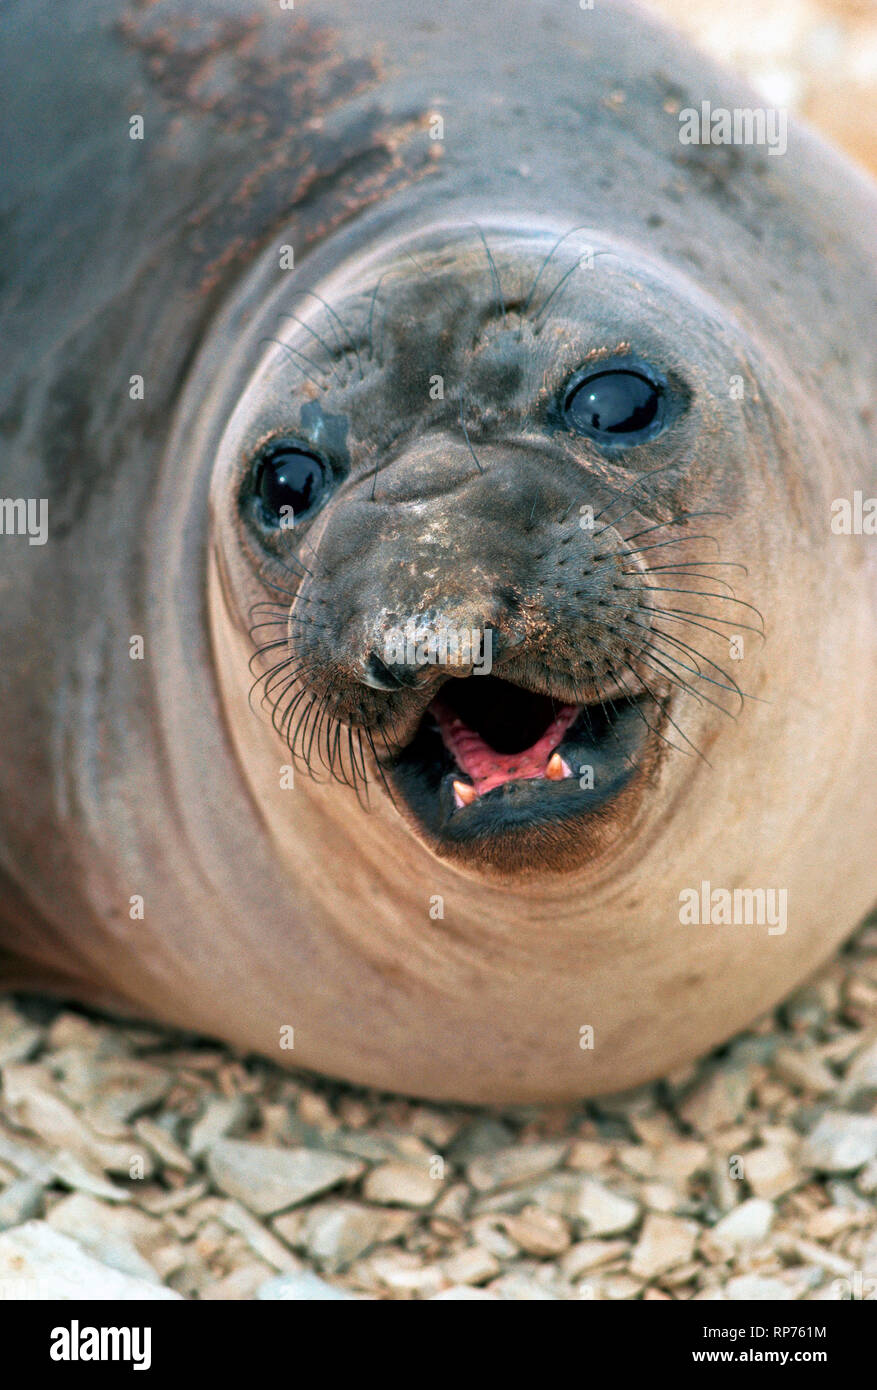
(490,756)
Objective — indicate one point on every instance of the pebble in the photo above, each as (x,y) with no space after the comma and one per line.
(160,1202)
(163,1146)
(401,1185)
(399,1269)
(804,1070)
(337,1233)
(829,1222)
(487,1231)
(867,1180)
(24,1156)
(617,1288)
(718,1101)
(260,1240)
(747,1224)
(842,1194)
(520,1288)
(20,1201)
(302,1287)
(79,1176)
(859,1087)
(809,1007)
(538,1232)
(472,1266)
(840,1143)
(112,1092)
(119,1238)
(507,1167)
(681,1160)
(268,1180)
(602,1211)
(659,1196)
(39,1263)
(586,1156)
(452,1203)
(29,1094)
(18,1038)
(811,1253)
(771,1172)
(590,1254)
(242,1282)
(757,1288)
(221,1117)
(464,1293)
(664,1241)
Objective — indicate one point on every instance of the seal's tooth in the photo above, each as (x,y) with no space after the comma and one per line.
(557,768)
(464,794)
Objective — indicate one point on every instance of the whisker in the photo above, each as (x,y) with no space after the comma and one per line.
(682,520)
(683,574)
(635,703)
(371,314)
(665,468)
(466,436)
(494,272)
(699,593)
(560,240)
(659,545)
(656,653)
(321,340)
(342,325)
(294,352)
(689,616)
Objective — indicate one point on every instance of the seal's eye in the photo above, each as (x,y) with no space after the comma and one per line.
(289,483)
(615,405)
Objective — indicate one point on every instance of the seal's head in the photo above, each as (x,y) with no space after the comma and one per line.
(469,508)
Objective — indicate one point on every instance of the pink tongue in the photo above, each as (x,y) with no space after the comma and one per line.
(484,765)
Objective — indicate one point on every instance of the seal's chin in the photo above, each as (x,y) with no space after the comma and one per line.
(496,772)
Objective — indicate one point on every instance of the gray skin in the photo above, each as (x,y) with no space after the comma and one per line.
(154,779)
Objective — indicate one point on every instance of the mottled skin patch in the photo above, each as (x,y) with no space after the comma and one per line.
(231,69)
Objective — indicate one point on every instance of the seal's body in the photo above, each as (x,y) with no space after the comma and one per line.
(428,323)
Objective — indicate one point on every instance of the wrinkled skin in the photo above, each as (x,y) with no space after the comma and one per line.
(265,906)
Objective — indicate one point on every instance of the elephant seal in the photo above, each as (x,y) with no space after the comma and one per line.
(442,669)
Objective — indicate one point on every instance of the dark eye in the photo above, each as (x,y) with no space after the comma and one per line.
(615,405)
(289,483)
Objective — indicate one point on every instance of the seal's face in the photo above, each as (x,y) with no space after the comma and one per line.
(454,504)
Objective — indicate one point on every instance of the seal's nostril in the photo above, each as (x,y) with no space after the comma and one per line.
(379,676)
(398,676)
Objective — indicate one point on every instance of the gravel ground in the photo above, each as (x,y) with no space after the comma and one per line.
(139,1163)
(136,1163)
